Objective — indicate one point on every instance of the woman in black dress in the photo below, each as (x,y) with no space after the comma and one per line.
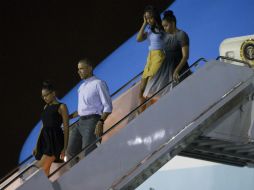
(52,141)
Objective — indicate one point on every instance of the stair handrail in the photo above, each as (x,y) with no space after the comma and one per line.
(15,169)
(233,59)
(18,176)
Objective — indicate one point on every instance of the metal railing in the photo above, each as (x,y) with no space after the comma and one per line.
(233,59)
(20,174)
(15,169)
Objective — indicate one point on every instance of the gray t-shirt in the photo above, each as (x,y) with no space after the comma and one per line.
(175,42)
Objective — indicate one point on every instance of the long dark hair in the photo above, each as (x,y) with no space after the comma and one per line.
(169,16)
(155,14)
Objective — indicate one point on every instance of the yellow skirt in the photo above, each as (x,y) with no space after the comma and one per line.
(154,61)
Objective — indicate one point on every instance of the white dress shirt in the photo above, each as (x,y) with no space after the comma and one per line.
(93,97)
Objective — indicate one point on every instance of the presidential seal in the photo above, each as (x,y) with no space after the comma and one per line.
(247,51)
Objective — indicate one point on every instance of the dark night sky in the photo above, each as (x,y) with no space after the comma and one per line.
(44,40)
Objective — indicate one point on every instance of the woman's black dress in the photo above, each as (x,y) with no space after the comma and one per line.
(51,139)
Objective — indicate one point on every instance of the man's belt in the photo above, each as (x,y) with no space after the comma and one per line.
(84,117)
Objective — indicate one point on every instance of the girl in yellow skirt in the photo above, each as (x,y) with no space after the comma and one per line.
(154,34)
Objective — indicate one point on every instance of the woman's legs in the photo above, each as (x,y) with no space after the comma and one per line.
(143,99)
(45,163)
(142,87)
(141,92)
(154,61)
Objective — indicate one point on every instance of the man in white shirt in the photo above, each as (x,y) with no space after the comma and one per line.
(94,106)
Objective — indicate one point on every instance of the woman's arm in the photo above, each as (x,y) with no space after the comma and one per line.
(142,35)
(73,115)
(185,57)
(63,110)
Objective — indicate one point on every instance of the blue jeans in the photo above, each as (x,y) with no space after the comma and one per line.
(83,135)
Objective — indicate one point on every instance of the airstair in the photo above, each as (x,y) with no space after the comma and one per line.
(207,116)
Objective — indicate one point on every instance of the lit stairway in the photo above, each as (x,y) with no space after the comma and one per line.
(190,113)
